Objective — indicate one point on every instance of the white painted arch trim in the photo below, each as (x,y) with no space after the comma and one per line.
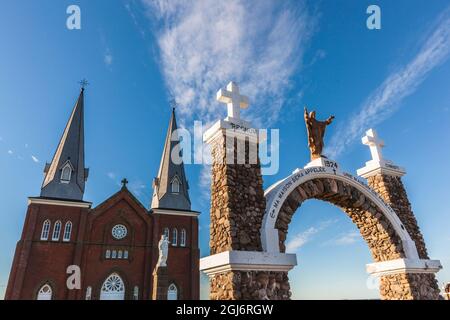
(247,261)
(277,194)
(403,266)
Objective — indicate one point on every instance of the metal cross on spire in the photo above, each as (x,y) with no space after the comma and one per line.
(83,83)
(173,103)
(124,182)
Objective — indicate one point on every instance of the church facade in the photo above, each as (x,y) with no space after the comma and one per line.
(114,245)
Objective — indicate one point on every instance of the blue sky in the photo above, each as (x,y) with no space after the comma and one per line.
(137,54)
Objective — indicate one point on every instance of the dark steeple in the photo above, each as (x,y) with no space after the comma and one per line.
(170,187)
(66,175)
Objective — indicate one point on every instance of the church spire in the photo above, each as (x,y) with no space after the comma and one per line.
(170,187)
(66,175)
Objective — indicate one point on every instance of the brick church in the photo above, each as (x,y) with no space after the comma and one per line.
(115,244)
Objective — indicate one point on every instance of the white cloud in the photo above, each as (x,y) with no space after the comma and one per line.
(205,44)
(111,175)
(300,239)
(382,102)
(34,159)
(205,182)
(346,238)
(108,58)
(10,152)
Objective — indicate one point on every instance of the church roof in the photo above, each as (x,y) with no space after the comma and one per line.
(164,196)
(69,153)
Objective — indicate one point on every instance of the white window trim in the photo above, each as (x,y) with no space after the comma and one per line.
(69,166)
(67,234)
(183,238)
(56,231)
(166,232)
(89,293)
(172,288)
(174,237)
(41,294)
(175,182)
(136,293)
(46,226)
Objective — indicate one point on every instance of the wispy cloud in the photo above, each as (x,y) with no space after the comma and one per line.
(205,182)
(34,159)
(108,58)
(10,152)
(345,239)
(111,175)
(301,238)
(385,99)
(205,44)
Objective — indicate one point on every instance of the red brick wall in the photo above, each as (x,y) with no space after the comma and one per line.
(37,262)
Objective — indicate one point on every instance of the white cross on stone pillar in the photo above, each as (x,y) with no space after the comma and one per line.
(234,100)
(375,144)
(378,165)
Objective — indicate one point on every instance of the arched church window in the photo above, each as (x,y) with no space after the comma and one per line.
(125,254)
(108,254)
(136,293)
(175,185)
(45,230)
(119,254)
(66,173)
(183,238)
(88,293)
(56,231)
(44,293)
(174,237)
(166,233)
(113,288)
(114,254)
(67,231)
(172,292)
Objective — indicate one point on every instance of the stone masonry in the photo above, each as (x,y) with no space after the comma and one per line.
(376,230)
(412,285)
(237,209)
(237,202)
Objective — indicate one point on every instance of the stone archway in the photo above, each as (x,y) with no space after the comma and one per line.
(403,274)
(248,226)
(379,225)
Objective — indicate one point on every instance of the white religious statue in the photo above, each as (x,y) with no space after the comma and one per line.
(163,246)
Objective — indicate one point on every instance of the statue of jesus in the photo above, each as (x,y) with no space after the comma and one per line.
(316,132)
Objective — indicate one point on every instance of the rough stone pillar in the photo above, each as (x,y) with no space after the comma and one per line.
(385,178)
(160,283)
(237,209)
(237,197)
(422,286)
(391,189)
(237,267)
